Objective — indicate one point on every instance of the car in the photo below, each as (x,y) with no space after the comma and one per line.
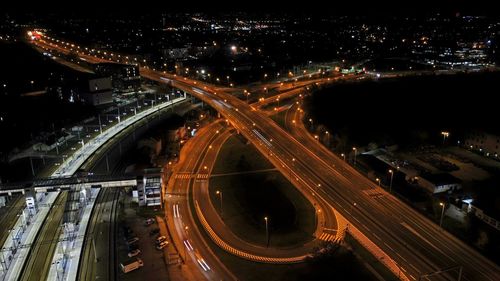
(162,245)
(132,240)
(149,221)
(129,235)
(154,231)
(161,239)
(132,247)
(134,253)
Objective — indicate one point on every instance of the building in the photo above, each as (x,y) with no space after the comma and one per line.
(488,144)
(98,91)
(124,77)
(149,188)
(437,183)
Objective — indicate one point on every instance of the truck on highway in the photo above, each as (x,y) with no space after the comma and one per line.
(131,265)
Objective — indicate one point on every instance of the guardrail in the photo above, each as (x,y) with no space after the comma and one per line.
(251,257)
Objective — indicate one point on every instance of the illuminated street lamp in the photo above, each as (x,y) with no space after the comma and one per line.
(442,213)
(392,176)
(248,94)
(355,152)
(343,155)
(186,228)
(378,181)
(318,211)
(220,197)
(445,135)
(267,232)
(293,161)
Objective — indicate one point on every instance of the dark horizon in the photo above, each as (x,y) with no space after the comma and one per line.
(390,8)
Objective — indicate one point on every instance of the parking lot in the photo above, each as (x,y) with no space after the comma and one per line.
(154,265)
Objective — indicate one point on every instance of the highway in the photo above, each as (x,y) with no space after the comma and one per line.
(418,245)
(185,234)
(227,240)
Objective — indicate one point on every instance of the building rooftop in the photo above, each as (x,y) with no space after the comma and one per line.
(441,179)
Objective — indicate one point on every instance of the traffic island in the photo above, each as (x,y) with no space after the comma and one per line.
(251,191)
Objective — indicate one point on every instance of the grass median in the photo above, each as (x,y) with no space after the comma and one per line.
(251,191)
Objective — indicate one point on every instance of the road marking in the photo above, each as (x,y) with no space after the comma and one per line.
(401,256)
(413,267)
(376,236)
(413,277)
(389,247)
(425,240)
(328,237)
(331,229)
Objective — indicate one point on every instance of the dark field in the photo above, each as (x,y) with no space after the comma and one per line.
(408,111)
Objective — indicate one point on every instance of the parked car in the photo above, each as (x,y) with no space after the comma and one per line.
(129,235)
(162,245)
(132,247)
(154,231)
(134,253)
(132,240)
(131,265)
(149,221)
(160,239)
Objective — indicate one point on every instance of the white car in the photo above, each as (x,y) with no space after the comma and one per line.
(162,245)
(160,239)
(134,253)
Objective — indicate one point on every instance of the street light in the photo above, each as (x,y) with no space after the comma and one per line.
(220,196)
(343,155)
(186,228)
(318,211)
(392,176)
(378,181)
(267,233)
(445,135)
(355,152)
(442,213)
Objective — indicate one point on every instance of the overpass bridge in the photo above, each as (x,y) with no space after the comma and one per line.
(66,183)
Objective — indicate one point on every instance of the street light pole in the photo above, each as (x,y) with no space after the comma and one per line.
(445,135)
(100,125)
(186,228)
(267,233)
(392,176)
(442,214)
(220,196)
(355,152)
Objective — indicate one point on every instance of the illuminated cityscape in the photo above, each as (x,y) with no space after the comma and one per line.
(360,143)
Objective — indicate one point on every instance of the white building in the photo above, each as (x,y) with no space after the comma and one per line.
(436,183)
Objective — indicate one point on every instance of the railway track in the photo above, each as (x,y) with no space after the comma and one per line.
(8,218)
(39,260)
(98,258)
